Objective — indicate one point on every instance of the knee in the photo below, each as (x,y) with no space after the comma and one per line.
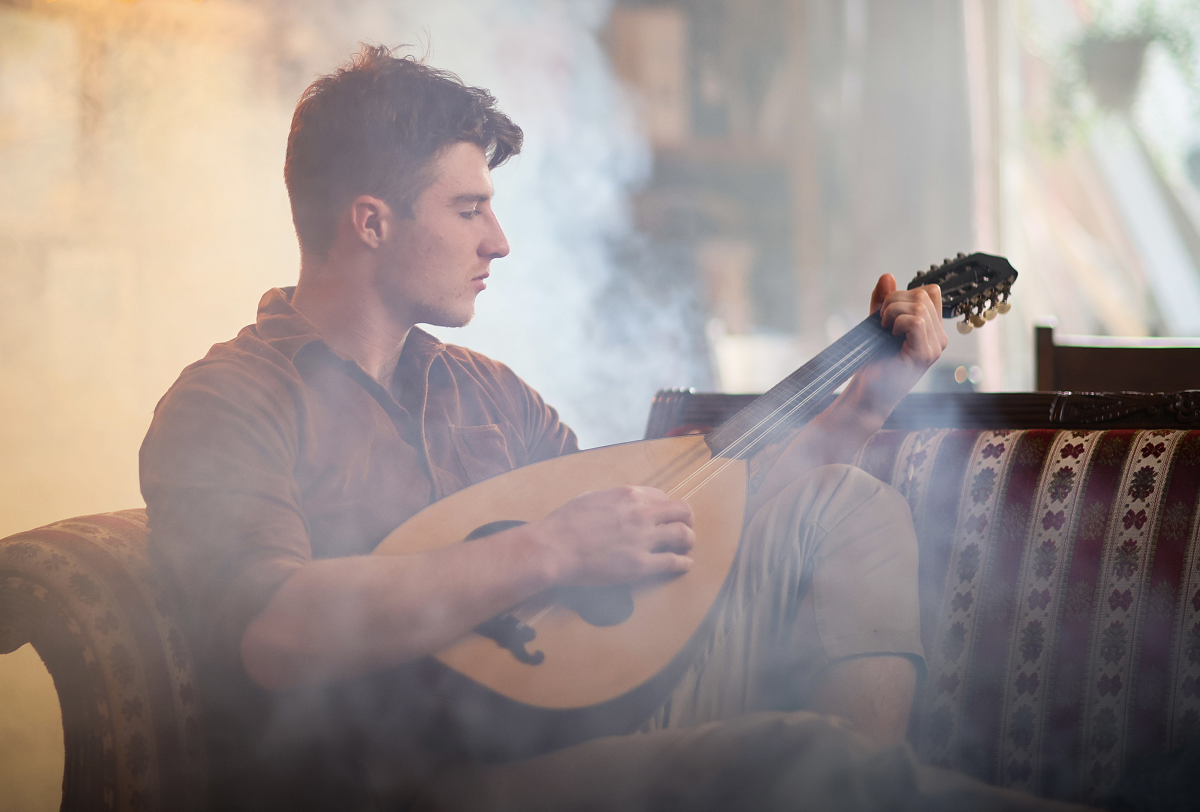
(848,478)
(846,489)
(859,509)
(834,511)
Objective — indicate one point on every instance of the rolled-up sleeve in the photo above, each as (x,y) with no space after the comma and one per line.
(224,506)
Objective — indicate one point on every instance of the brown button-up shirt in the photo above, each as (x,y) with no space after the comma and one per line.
(273,450)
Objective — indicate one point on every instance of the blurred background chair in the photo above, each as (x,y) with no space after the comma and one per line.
(1107,364)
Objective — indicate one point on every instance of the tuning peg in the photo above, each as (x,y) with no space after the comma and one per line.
(1003,307)
(965,327)
(947,262)
(989,314)
(977,320)
(961,255)
(933,267)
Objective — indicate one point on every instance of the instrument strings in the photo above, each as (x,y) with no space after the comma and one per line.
(793,401)
(847,366)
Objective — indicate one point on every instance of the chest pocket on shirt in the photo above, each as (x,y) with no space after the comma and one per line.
(482,450)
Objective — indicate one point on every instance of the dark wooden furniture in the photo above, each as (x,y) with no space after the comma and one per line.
(1065,367)
(683,410)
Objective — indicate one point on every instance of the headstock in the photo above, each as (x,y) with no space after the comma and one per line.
(975,287)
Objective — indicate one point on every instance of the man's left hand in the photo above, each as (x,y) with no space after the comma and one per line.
(917,315)
(836,435)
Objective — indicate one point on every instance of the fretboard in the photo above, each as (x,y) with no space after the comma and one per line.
(799,394)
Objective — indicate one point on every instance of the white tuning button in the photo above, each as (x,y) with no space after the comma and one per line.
(965,327)
(977,320)
(1003,307)
(990,313)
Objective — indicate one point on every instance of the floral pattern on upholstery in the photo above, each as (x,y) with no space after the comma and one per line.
(1060,593)
(84,594)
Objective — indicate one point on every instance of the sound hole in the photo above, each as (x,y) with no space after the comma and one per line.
(597,605)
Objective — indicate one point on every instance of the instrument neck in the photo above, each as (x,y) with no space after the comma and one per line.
(798,395)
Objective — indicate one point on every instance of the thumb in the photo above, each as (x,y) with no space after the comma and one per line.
(885,285)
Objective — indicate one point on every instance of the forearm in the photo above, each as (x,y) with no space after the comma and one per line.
(834,436)
(342,617)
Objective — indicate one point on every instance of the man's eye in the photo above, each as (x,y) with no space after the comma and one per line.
(469,215)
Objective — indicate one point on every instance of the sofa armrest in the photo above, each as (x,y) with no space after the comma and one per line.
(83,593)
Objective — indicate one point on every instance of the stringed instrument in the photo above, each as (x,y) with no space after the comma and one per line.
(577,662)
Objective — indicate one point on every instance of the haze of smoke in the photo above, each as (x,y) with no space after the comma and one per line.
(145,214)
(565,309)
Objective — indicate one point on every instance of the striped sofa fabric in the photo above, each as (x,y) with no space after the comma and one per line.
(1060,598)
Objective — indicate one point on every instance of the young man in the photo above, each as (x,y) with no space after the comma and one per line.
(276,463)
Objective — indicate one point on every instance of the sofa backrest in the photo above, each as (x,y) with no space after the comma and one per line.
(1060,598)
(1060,588)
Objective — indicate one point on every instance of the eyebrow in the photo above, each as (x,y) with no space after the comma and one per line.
(473,198)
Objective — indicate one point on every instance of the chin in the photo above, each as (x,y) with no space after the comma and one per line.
(450,319)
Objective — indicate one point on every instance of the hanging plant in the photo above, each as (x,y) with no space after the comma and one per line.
(1100,71)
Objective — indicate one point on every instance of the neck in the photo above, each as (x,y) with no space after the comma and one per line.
(341,302)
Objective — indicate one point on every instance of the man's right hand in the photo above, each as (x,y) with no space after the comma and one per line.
(336,618)
(616,536)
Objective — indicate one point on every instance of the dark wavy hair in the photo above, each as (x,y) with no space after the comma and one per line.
(374,126)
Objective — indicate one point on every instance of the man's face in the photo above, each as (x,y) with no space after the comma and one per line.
(435,263)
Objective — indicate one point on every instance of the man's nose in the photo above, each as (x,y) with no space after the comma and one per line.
(495,244)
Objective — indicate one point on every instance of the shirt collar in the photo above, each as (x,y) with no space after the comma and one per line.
(287,331)
(282,326)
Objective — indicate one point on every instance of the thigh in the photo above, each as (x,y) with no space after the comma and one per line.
(825,570)
(763,762)
(733,764)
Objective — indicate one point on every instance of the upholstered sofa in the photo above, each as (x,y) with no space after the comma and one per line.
(1059,586)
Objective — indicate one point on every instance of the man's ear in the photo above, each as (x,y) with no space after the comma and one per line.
(370,220)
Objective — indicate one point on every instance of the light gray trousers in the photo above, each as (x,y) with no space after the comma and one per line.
(826,570)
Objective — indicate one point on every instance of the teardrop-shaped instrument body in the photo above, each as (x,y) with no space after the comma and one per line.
(585,664)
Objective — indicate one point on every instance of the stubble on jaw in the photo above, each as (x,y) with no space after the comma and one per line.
(437,314)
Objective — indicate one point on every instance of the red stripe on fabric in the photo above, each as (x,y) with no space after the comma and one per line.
(81,543)
(879,455)
(51,533)
(1149,726)
(129,523)
(937,542)
(1064,682)
(984,698)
